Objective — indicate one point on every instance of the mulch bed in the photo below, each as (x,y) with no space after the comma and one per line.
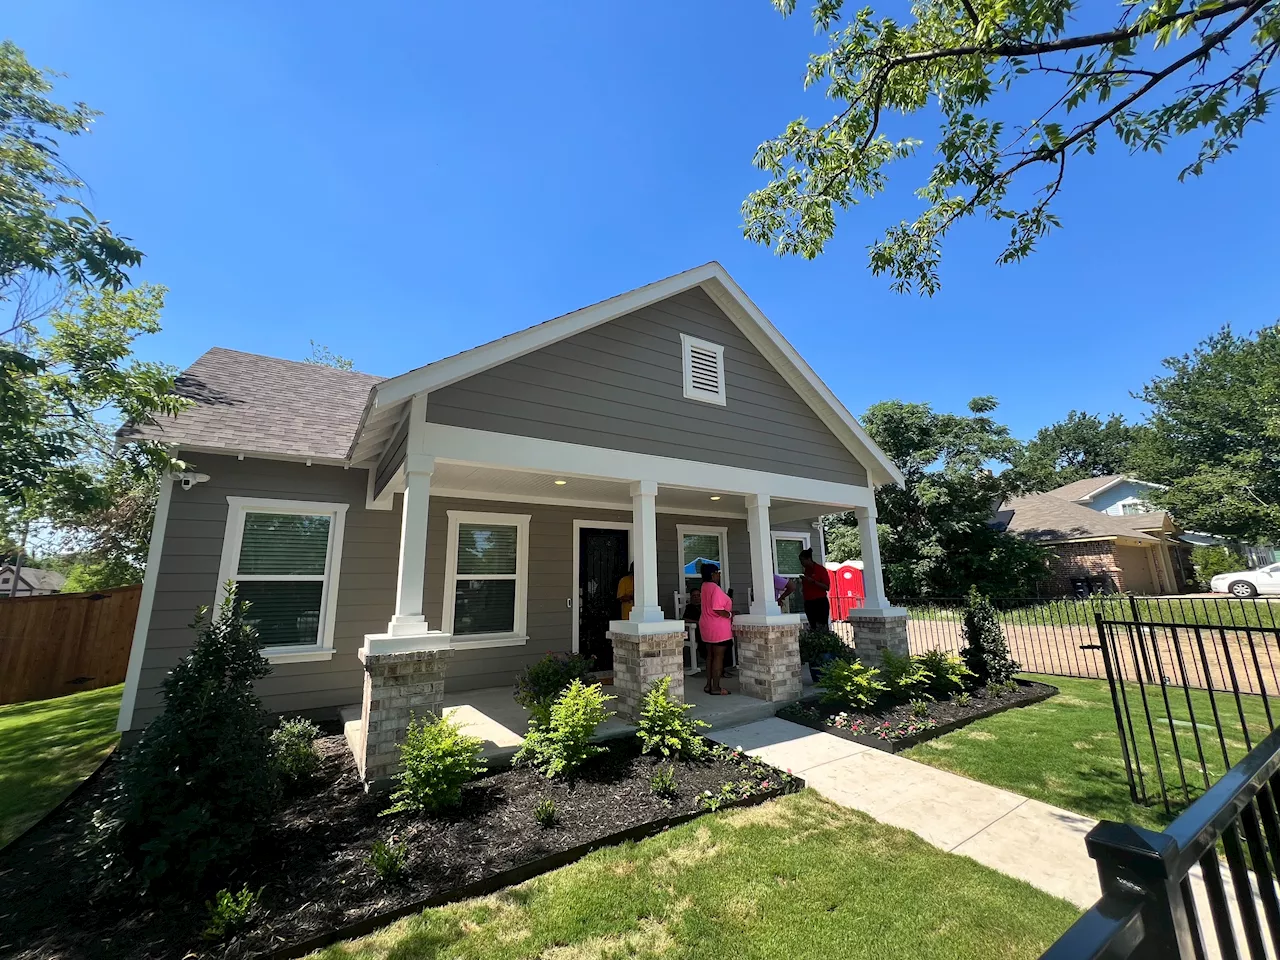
(312,862)
(895,728)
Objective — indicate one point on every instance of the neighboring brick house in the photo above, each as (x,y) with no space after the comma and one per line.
(1135,552)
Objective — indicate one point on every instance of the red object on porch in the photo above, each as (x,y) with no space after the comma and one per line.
(847,590)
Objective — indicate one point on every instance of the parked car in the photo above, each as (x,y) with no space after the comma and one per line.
(1248,583)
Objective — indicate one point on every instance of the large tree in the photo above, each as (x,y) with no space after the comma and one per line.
(1020,88)
(1083,445)
(1214,436)
(935,534)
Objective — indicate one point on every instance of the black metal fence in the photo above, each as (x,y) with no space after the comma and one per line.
(1165,894)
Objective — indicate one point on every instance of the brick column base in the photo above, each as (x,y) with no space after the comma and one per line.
(769,660)
(640,661)
(873,634)
(396,685)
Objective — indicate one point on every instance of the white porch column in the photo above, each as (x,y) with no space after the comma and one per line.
(644,526)
(872,573)
(412,569)
(763,603)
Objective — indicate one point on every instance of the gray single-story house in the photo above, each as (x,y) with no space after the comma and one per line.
(449,526)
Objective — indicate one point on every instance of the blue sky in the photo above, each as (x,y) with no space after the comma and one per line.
(403,181)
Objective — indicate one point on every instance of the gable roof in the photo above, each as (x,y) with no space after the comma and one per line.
(387,399)
(1082,491)
(1045,518)
(247,403)
(36,578)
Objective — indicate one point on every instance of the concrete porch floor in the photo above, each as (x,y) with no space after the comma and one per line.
(492,715)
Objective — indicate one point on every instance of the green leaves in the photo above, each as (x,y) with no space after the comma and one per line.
(954,55)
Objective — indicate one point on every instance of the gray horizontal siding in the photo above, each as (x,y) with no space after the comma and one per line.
(621,386)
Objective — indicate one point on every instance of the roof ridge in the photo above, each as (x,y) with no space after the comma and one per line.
(296,363)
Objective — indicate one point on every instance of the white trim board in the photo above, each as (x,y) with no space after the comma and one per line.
(712,278)
(146,601)
(575,601)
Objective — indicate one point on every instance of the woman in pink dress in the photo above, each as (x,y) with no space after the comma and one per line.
(715,626)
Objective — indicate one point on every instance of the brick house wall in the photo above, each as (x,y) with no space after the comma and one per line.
(1090,558)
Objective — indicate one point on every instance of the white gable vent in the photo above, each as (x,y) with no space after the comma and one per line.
(703,369)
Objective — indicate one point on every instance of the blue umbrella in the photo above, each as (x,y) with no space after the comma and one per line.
(694,567)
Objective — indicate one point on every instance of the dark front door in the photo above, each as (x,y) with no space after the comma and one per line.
(602,562)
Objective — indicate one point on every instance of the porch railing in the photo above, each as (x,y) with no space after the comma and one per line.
(1165,894)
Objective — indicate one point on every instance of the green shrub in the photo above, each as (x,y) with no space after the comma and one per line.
(546,814)
(850,683)
(201,784)
(563,743)
(816,646)
(538,685)
(962,699)
(920,708)
(230,913)
(904,675)
(389,860)
(664,725)
(1211,561)
(985,653)
(947,673)
(663,783)
(295,756)
(438,758)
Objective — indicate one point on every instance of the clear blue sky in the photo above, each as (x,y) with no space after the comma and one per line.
(402,181)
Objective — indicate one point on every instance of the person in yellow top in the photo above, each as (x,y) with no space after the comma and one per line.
(627,591)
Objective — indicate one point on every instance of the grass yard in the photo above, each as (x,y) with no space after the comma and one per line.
(46,748)
(1216,611)
(1066,752)
(798,878)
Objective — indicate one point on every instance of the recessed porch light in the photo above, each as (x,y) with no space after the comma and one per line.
(715,498)
(561,483)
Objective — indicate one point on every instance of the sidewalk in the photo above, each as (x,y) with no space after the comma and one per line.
(1023,838)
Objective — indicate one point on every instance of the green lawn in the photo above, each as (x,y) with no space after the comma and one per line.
(796,878)
(46,748)
(1213,611)
(1066,751)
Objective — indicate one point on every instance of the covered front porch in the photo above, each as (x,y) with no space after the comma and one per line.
(512,547)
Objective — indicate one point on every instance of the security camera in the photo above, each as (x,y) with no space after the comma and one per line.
(189,480)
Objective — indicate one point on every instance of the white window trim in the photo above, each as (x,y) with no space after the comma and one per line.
(776,535)
(721,532)
(237,509)
(518,635)
(690,391)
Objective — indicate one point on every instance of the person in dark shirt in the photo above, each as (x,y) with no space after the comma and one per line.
(815,584)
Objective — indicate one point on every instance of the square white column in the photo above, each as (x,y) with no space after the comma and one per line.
(763,603)
(872,572)
(412,570)
(644,531)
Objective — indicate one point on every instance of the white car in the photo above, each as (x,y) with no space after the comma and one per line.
(1248,583)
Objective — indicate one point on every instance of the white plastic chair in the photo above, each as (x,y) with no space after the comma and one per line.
(691,632)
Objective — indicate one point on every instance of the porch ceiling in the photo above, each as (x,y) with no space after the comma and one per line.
(455,479)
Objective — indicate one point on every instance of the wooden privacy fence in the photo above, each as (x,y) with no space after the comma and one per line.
(55,645)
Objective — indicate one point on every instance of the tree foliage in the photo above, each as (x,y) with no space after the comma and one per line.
(1081,446)
(322,356)
(935,534)
(1214,436)
(1159,69)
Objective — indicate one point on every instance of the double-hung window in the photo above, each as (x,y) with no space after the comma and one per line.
(697,546)
(486,578)
(283,556)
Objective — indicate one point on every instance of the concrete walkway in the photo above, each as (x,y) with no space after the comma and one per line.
(1023,838)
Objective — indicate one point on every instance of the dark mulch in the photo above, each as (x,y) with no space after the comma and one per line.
(895,727)
(312,863)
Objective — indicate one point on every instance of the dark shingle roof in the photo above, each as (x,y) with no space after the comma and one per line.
(1046,518)
(254,404)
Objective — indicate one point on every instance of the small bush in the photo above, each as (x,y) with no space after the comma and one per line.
(947,673)
(819,646)
(563,743)
(962,699)
(438,759)
(1211,561)
(230,913)
(850,683)
(665,727)
(985,653)
(546,814)
(1010,686)
(389,860)
(295,756)
(663,783)
(920,708)
(905,676)
(539,684)
(200,785)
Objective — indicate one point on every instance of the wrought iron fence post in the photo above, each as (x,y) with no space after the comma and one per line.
(1112,680)
(1135,861)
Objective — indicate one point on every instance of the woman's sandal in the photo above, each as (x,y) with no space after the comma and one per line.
(716,693)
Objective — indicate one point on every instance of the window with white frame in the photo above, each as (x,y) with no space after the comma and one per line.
(703,363)
(697,546)
(787,545)
(487,576)
(284,557)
